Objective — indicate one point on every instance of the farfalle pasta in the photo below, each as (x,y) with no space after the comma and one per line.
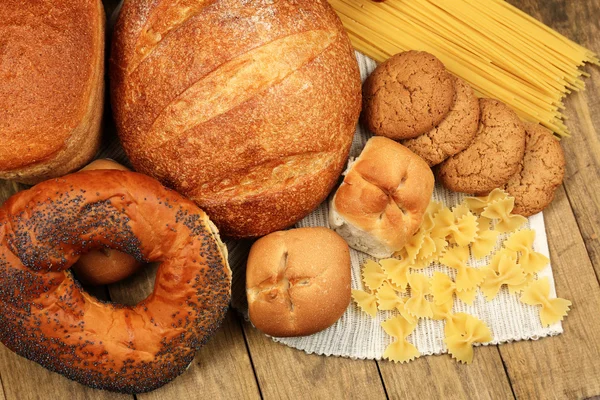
(397,271)
(367,302)
(451,237)
(478,204)
(400,350)
(538,294)
(373,275)
(504,271)
(465,331)
(443,288)
(522,242)
(467,277)
(418,305)
(501,210)
(484,243)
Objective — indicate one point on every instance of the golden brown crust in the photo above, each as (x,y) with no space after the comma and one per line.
(46,317)
(248,108)
(540,173)
(298,281)
(384,194)
(493,157)
(407,95)
(52,86)
(455,133)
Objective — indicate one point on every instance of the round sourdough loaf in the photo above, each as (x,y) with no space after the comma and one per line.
(51,86)
(248,108)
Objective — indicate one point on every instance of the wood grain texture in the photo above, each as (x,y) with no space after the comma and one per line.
(566,366)
(286,373)
(582,150)
(221,369)
(444,378)
(25,380)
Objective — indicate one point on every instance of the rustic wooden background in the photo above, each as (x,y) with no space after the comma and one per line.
(240,362)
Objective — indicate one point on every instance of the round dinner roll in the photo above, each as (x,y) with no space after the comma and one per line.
(246,107)
(105,266)
(298,281)
(51,87)
(382,200)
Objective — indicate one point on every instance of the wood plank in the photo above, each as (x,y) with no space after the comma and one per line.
(442,377)
(221,369)
(2,397)
(25,380)
(286,373)
(580,21)
(566,366)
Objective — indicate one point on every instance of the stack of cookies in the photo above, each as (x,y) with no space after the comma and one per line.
(478,145)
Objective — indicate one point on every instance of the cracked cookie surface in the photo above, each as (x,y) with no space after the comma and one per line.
(455,133)
(539,174)
(407,95)
(493,157)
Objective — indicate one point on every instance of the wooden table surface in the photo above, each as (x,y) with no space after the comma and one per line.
(240,362)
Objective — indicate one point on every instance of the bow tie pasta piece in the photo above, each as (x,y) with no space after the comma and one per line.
(418,305)
(373,275)
(443,287)
(514,289)
(538,294)
(443,223)
(365,301)
(388,299)
(396,271)
(400,350)
(478,204)
(507,272)
(464,332)
(461,210)
(501,210)
(434,207)
(413,246)
(484,243)
(467,278)
(522,242)
(484,224)
(464,231)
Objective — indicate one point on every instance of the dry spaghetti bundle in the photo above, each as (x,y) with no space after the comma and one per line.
(501,51)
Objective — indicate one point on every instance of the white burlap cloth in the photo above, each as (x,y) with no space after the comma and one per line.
(356,334)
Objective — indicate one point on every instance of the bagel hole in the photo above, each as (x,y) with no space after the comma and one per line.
(134,289)
(128,291)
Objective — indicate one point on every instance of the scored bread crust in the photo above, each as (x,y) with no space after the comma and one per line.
(51,99)
(383,198)
(248,108)
(298,281)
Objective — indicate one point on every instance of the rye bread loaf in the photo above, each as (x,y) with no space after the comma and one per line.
(52,86)
(248,108)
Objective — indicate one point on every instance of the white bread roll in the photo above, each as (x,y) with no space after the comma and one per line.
(383,198)
(298,281)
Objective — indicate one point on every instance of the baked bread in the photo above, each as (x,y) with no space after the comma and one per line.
(52,87)
(455,133)
(407,95)
(45,315)
(540,173)
(383,198)
(298,281)
(105,266)
(494,155)
(248,108)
